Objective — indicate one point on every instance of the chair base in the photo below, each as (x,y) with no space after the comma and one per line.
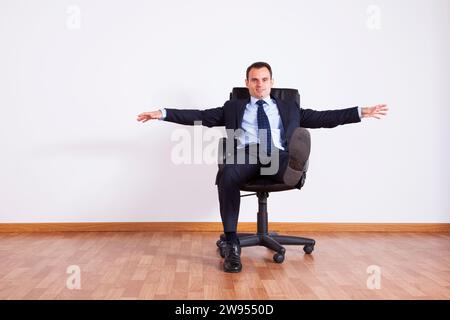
(263,237)
(272,241)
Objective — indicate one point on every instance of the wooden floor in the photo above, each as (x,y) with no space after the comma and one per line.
(156,265)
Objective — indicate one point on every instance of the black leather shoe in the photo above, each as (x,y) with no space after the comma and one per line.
(299,149)
(302,181)
(232,262)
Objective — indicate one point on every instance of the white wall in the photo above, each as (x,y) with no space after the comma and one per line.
(72,150)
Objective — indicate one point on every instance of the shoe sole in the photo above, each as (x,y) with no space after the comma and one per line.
(299,150)
(233,271)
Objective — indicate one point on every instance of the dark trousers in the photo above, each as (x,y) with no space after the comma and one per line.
(237,172)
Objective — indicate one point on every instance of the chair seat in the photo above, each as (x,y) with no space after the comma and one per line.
(264,185)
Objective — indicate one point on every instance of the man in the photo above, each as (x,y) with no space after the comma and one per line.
(275,127)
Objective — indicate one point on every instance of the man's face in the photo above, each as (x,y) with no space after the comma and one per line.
(259,82)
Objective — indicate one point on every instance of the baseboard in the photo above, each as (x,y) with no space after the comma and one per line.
(217,227)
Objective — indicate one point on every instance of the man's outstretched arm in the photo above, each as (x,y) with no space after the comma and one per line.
(333,118)
(209,117)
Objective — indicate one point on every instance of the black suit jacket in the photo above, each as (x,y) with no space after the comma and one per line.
(292,116)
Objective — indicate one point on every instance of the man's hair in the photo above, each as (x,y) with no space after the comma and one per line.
(259,65)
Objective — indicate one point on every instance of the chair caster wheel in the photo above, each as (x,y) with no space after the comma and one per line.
(222,252)
(308,249)
(278,257)
(219,243)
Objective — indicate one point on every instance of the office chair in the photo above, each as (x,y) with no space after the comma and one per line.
(262,186)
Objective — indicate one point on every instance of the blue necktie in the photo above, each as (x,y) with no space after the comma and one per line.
(263,123)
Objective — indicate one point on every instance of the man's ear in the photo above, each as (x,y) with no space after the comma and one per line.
(246,83)
(272,82)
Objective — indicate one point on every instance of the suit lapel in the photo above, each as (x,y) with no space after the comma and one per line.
(283,111)
(240,112)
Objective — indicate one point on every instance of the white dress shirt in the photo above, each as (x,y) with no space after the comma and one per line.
(250,123)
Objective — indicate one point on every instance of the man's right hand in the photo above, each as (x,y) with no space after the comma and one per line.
(152,115)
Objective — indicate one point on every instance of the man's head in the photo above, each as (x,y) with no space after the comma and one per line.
(259,80)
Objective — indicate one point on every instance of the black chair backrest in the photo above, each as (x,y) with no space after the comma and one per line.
(279,93)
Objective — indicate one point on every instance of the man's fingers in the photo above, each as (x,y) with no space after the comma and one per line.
(145,116)
(376,111)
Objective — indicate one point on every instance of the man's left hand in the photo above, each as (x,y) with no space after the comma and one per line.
(374,112)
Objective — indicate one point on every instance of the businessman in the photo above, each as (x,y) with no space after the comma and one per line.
(266,131)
